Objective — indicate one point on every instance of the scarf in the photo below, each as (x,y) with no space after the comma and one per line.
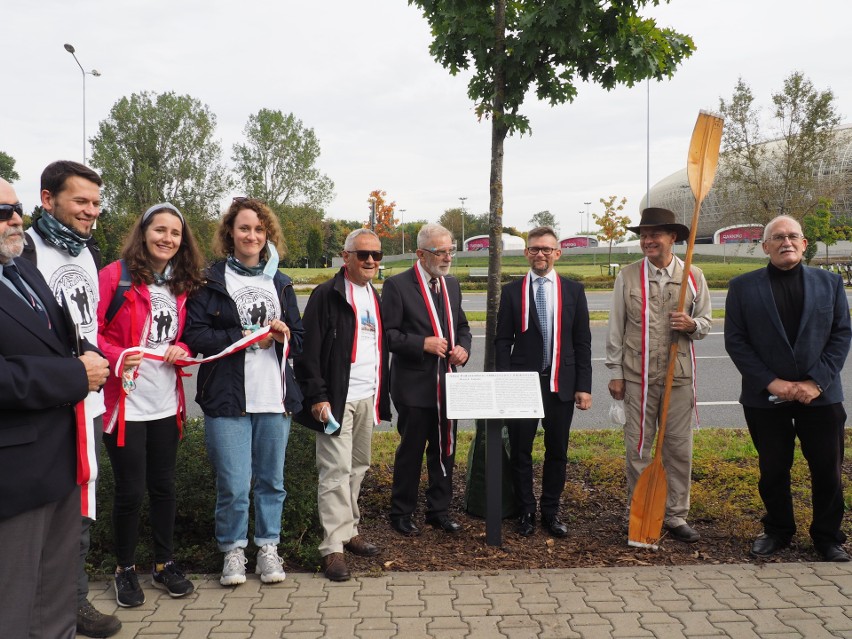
(58,235)
(267,267)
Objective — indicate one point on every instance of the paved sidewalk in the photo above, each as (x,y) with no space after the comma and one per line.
(808,600)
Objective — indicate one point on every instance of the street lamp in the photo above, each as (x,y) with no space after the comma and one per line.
(70,49)
(588,219)
(402,229)
(462,200)
(582,215)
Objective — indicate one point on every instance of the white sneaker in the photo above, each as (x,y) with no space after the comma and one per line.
(269,565)
(234,569)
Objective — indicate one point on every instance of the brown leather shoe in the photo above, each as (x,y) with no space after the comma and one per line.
(335,568)
(361,547)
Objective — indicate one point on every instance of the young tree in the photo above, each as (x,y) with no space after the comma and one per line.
(777,174)
(547,46)
(7,168)
(313,246)
(817,227)
(385,221)
(277,163)
(544,218)
(613,226)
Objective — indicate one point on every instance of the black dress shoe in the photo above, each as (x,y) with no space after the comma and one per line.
(404,526)
(834,552)
(443,522)
(553,525)
(526,524)
(684,533)
(767,545)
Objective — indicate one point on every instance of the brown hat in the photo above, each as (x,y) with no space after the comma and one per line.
(663,218)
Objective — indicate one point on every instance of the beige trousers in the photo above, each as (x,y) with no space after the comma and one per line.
(342,462)
(677,446)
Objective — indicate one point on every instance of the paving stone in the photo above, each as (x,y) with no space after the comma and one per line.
(704,600)
(193,630)
(373,606)
(835,618)
(499,584)
(828,595)
(626,624)
(228,629)
(406,595)
(339,627)
(438,606)
(469,595)
(556,627)
(520,626)
(268,629)
(766,597)
(305,608)
(766,622)
(638,601)
(572,602)
(506,604)
(483,627)
(695,623)
(738,629)
(373,587)
(438,585)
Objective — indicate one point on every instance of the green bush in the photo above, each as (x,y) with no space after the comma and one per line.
(195,546)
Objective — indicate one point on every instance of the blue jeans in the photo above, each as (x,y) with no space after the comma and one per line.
(241,448)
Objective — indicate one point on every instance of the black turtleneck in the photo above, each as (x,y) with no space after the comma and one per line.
(789,294)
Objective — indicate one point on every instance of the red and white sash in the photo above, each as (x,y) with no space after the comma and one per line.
(646,320)
(446,439)
(87,460)
(350,298)
(526,312)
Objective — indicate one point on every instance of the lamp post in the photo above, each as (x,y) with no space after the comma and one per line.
(582,215)
(70,49)
(588,219)
(462,199)
(402,229)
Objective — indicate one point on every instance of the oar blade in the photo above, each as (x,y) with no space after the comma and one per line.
(703,155)
(648,507)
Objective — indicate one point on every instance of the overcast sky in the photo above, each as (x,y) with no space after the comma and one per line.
(387,116)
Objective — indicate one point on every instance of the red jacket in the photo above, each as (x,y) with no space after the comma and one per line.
(124,331)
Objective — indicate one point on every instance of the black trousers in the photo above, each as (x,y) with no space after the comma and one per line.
(147,460)
(418,429)
(557,426)
(820,432)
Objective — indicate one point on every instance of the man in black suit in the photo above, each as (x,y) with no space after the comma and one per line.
(428,336)
(543,326)
(42,380)
(787,330)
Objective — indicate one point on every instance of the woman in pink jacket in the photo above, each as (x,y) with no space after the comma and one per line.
(160,266)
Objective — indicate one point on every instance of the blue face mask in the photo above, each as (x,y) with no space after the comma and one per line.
(331,425)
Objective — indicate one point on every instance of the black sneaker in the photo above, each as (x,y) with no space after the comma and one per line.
(91,622)
(128,592)
(172,579)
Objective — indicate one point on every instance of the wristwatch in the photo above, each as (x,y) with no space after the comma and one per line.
(819,388)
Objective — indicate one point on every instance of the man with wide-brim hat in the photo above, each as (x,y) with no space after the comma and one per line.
(643,322)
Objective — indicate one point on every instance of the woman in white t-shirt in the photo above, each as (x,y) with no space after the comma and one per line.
(247,397)
(145,407)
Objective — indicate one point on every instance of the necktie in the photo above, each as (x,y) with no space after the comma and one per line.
(435,285)
(541,308)
(10,272)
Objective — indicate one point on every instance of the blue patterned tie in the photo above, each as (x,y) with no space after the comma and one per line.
(10,272)
(541,308)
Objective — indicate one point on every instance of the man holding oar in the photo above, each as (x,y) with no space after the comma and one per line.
(643,321)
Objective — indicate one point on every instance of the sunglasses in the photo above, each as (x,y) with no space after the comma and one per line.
(363,256)
(6,211)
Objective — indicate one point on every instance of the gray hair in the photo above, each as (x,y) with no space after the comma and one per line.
(349,243)
(774,220)
(428,231)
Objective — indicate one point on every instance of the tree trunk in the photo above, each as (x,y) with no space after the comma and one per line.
(495,214)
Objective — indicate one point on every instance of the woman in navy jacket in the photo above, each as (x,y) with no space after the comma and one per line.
(247,397)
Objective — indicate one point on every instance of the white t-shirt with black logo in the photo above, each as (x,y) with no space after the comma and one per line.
(257,304)
(77,277)
(155,396)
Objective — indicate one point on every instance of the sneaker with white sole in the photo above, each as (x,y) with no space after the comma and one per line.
(172,579)
(234,568)
(128,592)
(269,565)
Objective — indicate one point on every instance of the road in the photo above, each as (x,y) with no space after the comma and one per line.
(718,381)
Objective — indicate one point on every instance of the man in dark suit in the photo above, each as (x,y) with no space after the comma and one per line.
(543,326)
(42,380)
(428,336)
(787,331)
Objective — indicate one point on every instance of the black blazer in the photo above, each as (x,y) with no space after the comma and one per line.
(40,381)
(413,371)
(517,351)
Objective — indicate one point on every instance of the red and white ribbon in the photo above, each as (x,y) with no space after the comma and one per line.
(87,460)
(350,298)
(445,440)
(646,316)
(526,313)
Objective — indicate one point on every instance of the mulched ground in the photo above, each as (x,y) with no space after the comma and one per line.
(597,538)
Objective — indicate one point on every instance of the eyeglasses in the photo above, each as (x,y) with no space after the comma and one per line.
(544,250)
(363,256)
(780,237)
(442,253)
(6,211)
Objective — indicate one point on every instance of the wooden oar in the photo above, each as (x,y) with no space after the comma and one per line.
(648,505)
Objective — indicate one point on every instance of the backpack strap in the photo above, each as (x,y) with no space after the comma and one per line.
(118,298)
